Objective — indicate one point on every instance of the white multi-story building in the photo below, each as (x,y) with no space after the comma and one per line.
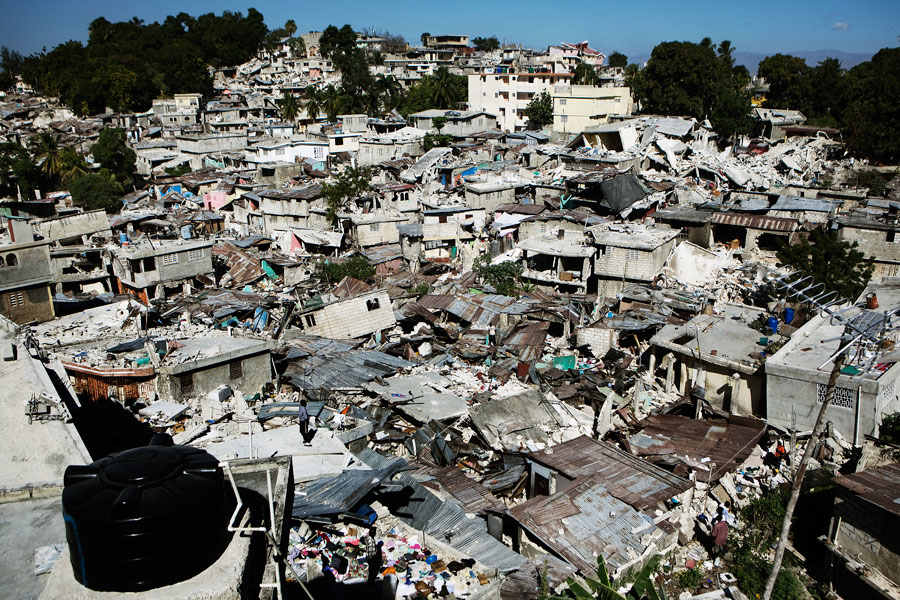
(577,107)
(508,94)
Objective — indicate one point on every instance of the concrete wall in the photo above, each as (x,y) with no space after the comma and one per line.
(73,226)
(630,263)
(208,144)
(171,263)
(27,304)
(381,232)
(599,339)
(791,390)
(577,107)
(354,317)
(868,533)
(508,94)
(255,371)
(874,244)
(25,265)
(490,200)
(530,229)
(372,152)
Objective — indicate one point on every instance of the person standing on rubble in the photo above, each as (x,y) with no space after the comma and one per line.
(374,557)
(719,532)
(303,422)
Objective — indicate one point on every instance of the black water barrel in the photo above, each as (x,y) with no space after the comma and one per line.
(145,518)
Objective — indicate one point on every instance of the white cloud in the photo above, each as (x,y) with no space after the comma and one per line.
(841,26)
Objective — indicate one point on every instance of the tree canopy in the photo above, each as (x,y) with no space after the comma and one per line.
(96,191)
(837,264)
(540,110)
(618,60)
(350,183)
(696,80)
(114,155)
(486,44)
(585,74)
(126,65)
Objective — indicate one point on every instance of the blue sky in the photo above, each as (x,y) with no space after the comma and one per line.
(631,27)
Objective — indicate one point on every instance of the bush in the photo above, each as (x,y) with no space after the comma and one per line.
(357,267)
(503,277)
(889,430)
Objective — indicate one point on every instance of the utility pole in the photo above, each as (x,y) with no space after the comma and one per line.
(798,479)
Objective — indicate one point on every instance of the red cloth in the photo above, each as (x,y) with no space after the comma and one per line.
(720,533)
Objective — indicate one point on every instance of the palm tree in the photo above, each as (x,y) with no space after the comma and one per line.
(290,27)
(313,102)
(72,165)
(442,88)
(390,91)
(289,107)
(46,149)
(331,102)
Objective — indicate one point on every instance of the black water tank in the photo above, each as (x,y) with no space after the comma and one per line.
(145,518)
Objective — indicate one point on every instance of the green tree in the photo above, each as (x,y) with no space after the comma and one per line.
(837,264)
(350,183)
(389,90)
(114,155)
(314,105)
(683,78)
(871,119)
(585,74)
(438,140)
(358,267)
(503,277)
(338,44)
(96,191)
(540,111)
(46,151)
(10,65)
(290,27)
(288,107)
(298,47)
(442,86)
(486,44)
(439,123)
(618,60)
(786,76)
(72,164)
(18,172)
(730,114)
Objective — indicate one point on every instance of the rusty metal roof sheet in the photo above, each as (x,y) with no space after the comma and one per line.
(756,221)
(309,192)
(349,287)
(584,521)
(242,266)
(473,496)
(726,442)
(879,486)
(632,480)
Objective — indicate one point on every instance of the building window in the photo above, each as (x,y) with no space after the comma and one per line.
(632,254)
(338,141)
(892,236)
(196,254)
(16,299)
(372,304)
(235,370)
(373,227)
(11,260)
(187,384)
(564,119)
(310,320)
(562,101)
(170,259)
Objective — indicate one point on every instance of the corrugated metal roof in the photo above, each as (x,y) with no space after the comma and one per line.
(880,486)
(383,253)
(585,521)
(444,521)
(806,204)
(342,371)
(756,221)
(473,496)
(726,442)
(636,482)
(342,493)
(242,266)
